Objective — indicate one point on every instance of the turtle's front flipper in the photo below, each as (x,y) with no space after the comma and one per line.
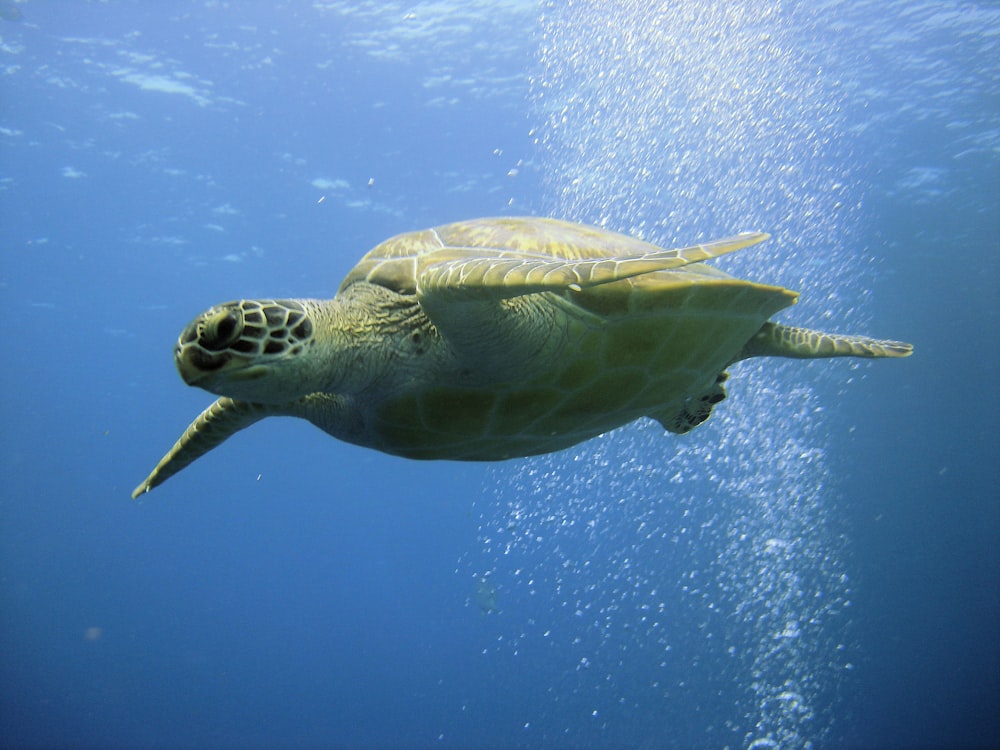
(477,275)
(776,340)
(219,421)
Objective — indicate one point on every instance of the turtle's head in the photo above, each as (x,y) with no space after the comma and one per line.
(250,350)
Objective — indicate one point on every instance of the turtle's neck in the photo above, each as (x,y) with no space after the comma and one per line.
(357,333)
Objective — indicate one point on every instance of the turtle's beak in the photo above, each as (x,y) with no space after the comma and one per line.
(195,364)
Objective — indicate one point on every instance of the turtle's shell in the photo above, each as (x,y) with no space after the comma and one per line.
(556,366)
(393,263)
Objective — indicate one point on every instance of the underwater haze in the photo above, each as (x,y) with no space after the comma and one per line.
(817,566)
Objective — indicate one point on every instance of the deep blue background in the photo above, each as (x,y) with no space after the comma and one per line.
(288,590)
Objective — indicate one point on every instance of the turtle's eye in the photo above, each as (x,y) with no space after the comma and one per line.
(221,329)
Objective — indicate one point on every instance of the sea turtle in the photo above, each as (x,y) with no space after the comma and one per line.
(492,339)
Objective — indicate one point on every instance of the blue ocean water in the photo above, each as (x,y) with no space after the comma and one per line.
(816,566)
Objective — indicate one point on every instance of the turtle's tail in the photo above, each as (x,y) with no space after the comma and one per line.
(776,340)
(218,422)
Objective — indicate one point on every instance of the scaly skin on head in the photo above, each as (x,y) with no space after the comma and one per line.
(274,351)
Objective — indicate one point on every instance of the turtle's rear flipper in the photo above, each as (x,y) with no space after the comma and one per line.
(695,411)
(776,340)
(218,422)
